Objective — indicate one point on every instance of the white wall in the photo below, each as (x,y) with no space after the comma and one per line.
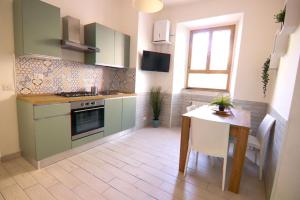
(8,117)
(256,41)
(286,77)
(288,179)
(143,81)
(147,79)
(286,101)
(180,57)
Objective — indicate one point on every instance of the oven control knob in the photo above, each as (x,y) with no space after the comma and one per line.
(87,103)
(82,104)
(93,103)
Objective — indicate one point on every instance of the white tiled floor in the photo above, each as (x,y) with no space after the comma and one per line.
(139,166)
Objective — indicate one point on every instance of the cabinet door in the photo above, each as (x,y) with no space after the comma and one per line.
(90,39)
(53,135)
(105,40)
(122,49)
(112,116)
(41,28)
(128,114)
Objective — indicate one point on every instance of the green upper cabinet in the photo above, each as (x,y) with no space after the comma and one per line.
(37,28)
(128,114)
(122,49)
(94,34)
(114,46)
(112,116)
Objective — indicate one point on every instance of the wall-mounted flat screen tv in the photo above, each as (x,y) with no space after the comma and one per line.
(154,61)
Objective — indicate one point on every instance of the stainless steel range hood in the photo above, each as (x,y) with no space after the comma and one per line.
(71,36)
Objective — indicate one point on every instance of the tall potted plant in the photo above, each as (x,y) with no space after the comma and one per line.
(156,99)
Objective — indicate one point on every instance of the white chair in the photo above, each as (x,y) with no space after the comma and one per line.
(210,138)
(260,142)
(194,105)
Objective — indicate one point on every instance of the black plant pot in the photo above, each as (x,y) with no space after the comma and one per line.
(221,108)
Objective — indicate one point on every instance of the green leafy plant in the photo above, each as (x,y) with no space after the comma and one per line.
(223,102)
(265,75)
(156,99)
(279,17)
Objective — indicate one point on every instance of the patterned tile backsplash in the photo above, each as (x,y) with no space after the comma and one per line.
(38,76)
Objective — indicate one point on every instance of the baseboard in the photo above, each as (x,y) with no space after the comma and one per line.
(10,156)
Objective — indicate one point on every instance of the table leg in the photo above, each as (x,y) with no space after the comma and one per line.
(241,135)
(184,141)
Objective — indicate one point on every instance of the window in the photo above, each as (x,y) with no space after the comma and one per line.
(210,58)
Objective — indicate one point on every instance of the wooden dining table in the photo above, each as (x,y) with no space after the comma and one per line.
(240,122)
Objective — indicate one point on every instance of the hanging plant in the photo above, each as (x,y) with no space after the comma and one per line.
(265,76)
(279,17)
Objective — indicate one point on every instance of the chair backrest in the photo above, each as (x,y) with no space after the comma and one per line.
(195,104)
(209,137)
(264,129)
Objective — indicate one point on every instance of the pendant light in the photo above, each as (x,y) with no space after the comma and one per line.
(148,6)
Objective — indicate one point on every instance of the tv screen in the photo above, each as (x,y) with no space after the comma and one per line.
(154,61)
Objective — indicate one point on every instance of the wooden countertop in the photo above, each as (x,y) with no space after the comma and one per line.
(52,98)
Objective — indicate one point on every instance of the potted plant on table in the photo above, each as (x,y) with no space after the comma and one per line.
(156,99)
(223,102)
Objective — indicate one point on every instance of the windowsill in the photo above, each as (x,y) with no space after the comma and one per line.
(204,92)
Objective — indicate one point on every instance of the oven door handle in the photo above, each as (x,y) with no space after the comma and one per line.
(98,108)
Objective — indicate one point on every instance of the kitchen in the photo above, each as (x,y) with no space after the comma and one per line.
(76,105)
(78,119)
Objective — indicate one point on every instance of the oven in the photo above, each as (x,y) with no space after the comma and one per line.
(87,118)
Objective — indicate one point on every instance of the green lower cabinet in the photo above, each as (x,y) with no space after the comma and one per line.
(53,135)
(45,130)
(128,114)
(87,139)
(113,116)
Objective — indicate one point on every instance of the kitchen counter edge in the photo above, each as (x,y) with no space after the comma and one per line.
(52,99)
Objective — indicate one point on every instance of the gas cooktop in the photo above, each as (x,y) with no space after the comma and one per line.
(76,94)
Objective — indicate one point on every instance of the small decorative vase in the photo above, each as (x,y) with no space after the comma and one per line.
(221,108)
(155,123)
